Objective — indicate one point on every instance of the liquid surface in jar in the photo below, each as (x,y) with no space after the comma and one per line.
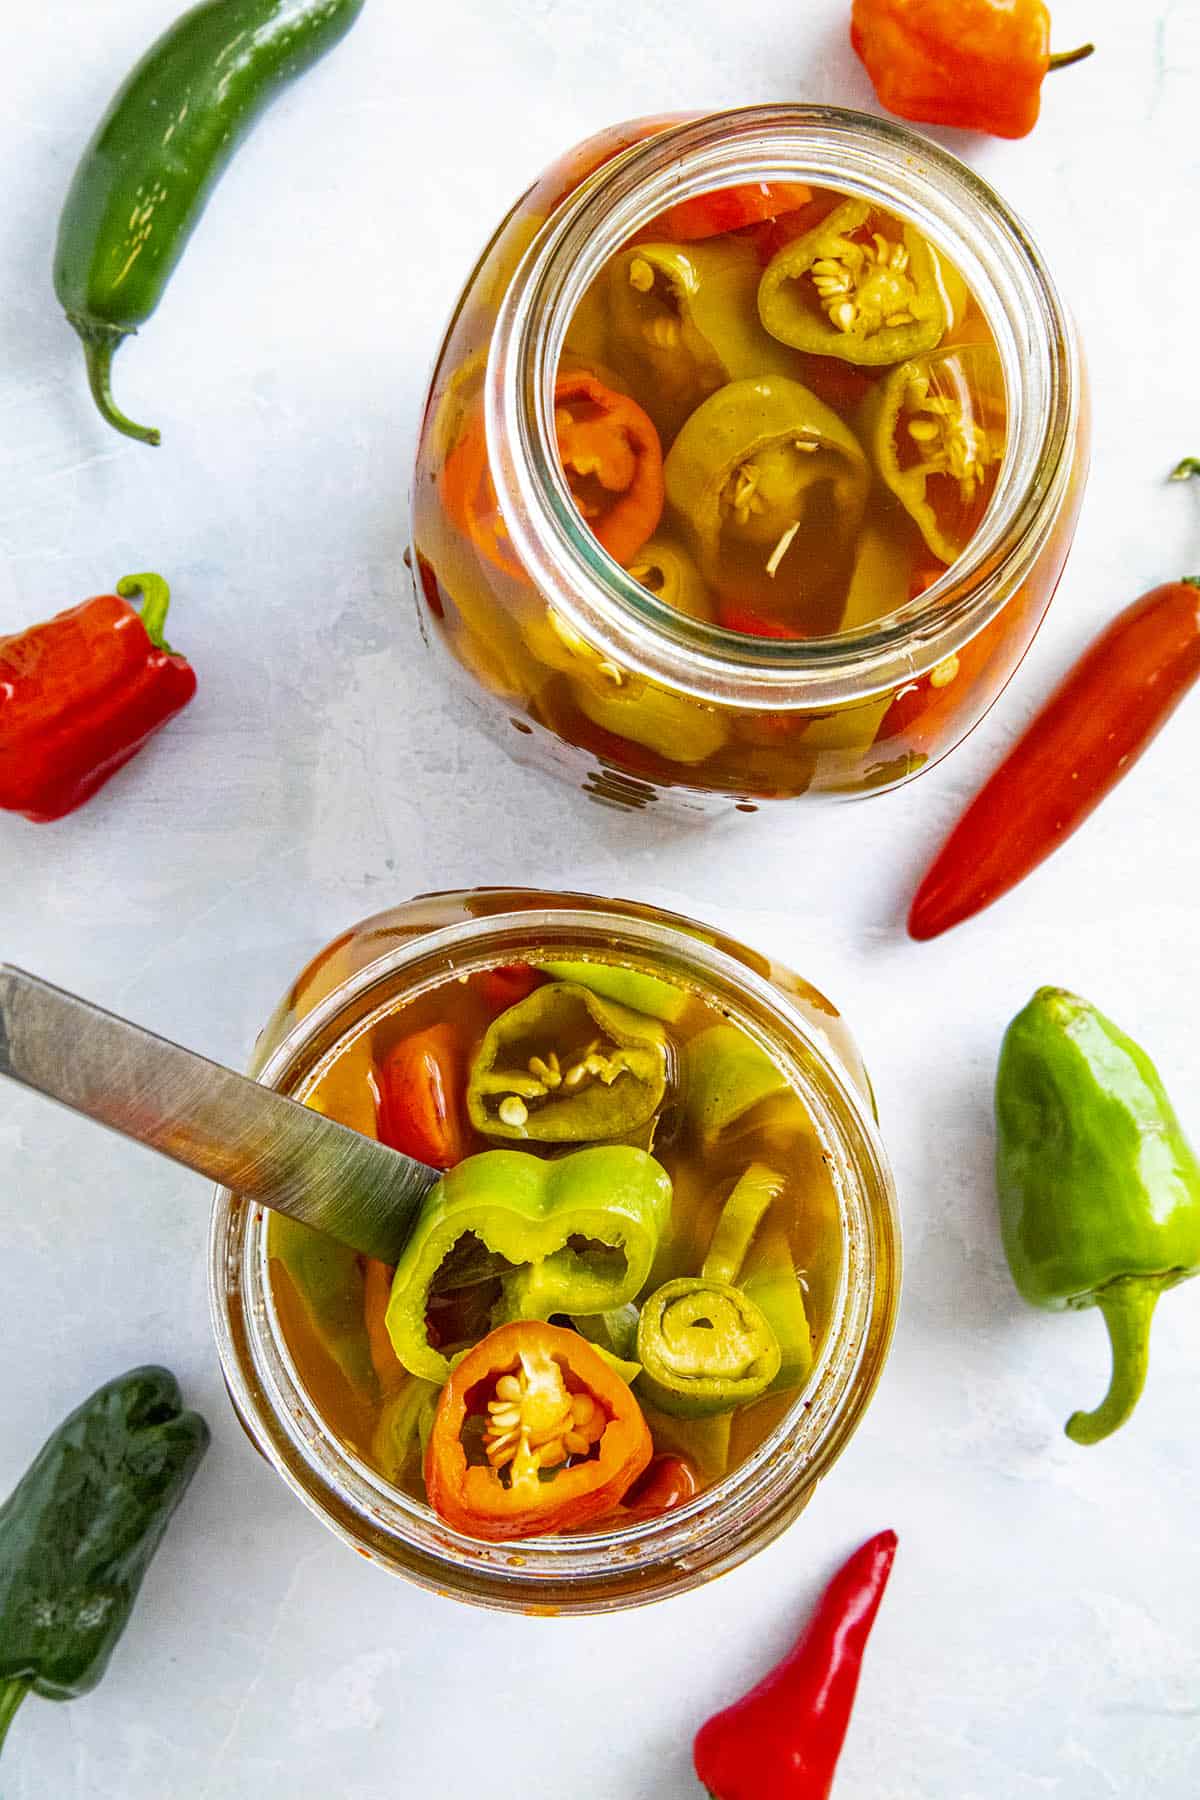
(622,1281)
(782,410)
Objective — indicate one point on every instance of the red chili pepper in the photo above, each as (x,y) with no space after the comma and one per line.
(504,986)
(420,1083)
(977,64)
(735,617)
(1084,740)
(782,1740)
(668,1482)
(726,209)
(81,694)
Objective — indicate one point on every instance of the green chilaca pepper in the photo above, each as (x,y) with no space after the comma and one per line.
(683,321)
(574,1235)
(609,1081)
(1099,1189)
(849,289)
(80,1529)
(704,1348)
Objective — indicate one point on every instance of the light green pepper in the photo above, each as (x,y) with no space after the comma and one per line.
(566,1066)
(631,987)
(741,1216)
(704,1348)
(726,1074)
(402,1433)
(579,1235)
(772,1284)
(328,1281)
(667,571)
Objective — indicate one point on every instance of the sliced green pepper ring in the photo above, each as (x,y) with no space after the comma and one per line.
(936,432)
(704,1348)
(683,322)
(741,1216)
(853,289)
(575,1235)
(760,464)
(632,987)
(772,1284)
(610,1079)
(726,1074)
(666,570)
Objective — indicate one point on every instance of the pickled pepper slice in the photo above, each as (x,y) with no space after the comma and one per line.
(612,460)
(704,1348)
(568,1066)
(667,571)
(936,431)
(852,288)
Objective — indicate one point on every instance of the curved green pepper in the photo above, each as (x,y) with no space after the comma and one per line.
(683,320)
(80,1529)
(936,432)
(402,1432)
(758,462)
(158,153)
(1099,1189)
(704,1348)
(566,1066)
(578,1235)
(741,1216)
(668,572)
(771,1281)
(849,289)
(725,1074)
(632,987)
(328,1281)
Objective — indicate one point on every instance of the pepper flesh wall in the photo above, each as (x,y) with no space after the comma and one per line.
(634,1254)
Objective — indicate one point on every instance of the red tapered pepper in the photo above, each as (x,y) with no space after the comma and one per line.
(782,1740)
(81,694)
(977,64)
(1085,739)
(420,1083)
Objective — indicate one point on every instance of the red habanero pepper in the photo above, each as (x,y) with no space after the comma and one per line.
(1088,735)
(420,1085)
(782,1740)
(977,64)
(81,694)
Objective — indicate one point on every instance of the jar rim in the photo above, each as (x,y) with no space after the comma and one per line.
(962,215)
(639,1562)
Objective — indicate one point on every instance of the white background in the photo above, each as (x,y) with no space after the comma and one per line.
(1040,1638)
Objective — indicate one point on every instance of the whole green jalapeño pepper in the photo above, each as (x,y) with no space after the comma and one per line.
(849,289)
(1099,1189)
(704,1348)
(575,1235)
(80,1528)
(568,1066)
(158,153)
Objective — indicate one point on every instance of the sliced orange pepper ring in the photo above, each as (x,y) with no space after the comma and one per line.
(612,459)
(534,1433)
(469,497)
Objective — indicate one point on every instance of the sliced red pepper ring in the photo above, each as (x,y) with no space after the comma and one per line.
(421,1083)
(612,459)
(534,1434)
(726,209)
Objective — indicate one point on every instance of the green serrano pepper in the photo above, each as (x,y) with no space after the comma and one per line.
(158,153)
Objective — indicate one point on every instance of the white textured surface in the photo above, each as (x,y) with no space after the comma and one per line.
(1040,1640)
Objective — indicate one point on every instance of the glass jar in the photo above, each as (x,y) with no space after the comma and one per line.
(573,661)
(337,1000)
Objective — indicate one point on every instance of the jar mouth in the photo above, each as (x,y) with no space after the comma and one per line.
(855,153)
(634,1563)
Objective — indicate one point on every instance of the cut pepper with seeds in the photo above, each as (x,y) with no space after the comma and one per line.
(936,431)
(606,1079)
(612,459)
(704,1348)
(574,1235)
(534,1433)
(859,286)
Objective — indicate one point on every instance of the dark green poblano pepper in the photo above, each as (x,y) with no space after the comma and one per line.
(1099,1189)
(79,1530)
(568,1066)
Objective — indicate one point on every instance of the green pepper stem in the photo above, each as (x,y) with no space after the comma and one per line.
(99,347)
(11,1695)
(156,599)
(1183,471)
(1065,58)
(1128,1307)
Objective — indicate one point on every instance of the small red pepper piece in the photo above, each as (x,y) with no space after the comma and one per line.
(733,616)
(782,1740)
(506,985)
(726,209)
(976,64)
(1088,735)
(80,695)
(612,458)
(420,1083)
(668,1482)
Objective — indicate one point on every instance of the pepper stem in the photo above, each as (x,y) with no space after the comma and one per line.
(1065,58)
(1128,1307)
(11,1695)
(156,599)
(100,344)
(1183,471)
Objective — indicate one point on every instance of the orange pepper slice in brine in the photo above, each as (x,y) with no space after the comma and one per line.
(612,459)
